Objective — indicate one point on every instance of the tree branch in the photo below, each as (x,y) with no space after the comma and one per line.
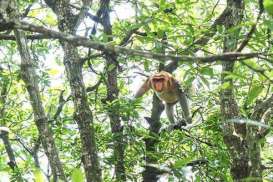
(9,150)
(62,102)
(258,70)
(253,28)
(83,12)
(86,13)
(266,117)
(82,41)
(261,108)
(30,37)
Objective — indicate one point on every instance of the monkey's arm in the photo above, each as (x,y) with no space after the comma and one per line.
(184,103)
(143,89)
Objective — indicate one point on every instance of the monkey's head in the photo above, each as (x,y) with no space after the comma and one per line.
(161,81)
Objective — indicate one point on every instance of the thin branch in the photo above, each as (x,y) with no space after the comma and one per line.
(88,57)
(261,108)
(257,70)
(62,102)
(92,17)
(94,87)
(214,7)
(32,151)
(4,136)
(179,126)
(35,150)
(142,74)
(266,117)
(27,10)
(83,12)
(128,36)
(207,36)
(20,141)
(253,28)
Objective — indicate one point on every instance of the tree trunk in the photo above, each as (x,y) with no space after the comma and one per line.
(243,147)
(82,113)
(68,23)
(151,174)
(112,94)
(30,79)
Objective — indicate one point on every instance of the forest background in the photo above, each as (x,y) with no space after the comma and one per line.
(69,69)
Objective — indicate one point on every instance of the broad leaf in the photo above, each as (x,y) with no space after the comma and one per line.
(77,175)
(254,93)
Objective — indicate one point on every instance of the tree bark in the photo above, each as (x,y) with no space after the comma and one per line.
(151,174)
(82,113)
(243,147)
(85,42)
(4,135)
(68,23)
(112,94)
(30,79)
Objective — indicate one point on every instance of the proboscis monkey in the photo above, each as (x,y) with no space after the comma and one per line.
(168,90)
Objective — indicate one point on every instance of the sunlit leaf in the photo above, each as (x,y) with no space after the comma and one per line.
(77,175)
(50,20)
(225,85)
(254,93)
(268,6)
(38,176)
(34,13)
(53,72)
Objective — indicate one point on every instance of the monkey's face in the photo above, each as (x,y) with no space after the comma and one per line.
(159,83)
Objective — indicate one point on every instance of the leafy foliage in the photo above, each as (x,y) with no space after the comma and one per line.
(166,27)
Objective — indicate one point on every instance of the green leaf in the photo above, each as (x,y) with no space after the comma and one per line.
(207,71)
(77,175)
(268,6)
(182,162)
(269,24)
(188,81)
(111,67)
(53,72)
(204,80)
(235,76)
(38,176)
(253,93)
(146,65)
(50,18)
(225,85)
